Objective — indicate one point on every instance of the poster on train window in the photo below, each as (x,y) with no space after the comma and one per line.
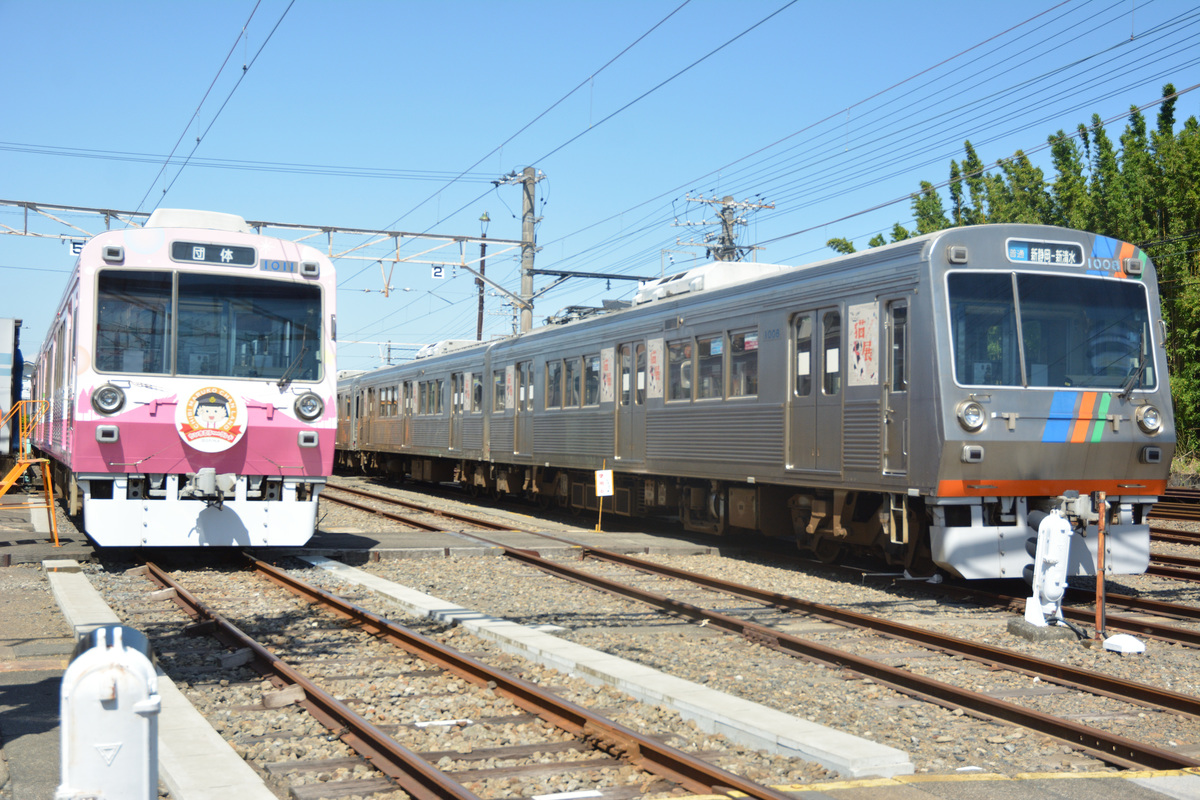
(654,368)
(608,356)
(863,369)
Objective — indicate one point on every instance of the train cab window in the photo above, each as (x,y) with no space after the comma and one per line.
(572,377)
(133,322)
(743,363)
(498,394)
(591,380)
(983,324)
(680,369)
(554,384)
(802,325)
(247,328)
(832,342)
(710,361)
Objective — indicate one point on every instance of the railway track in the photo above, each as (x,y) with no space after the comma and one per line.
(301,652)
(1104,745)
(1178,504)
(416,515)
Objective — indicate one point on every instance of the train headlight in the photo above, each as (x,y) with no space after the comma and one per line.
(108,399)
(309,406)
(971,416)
(1149,419)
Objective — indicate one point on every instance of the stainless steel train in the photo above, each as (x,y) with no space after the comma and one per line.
(921,400)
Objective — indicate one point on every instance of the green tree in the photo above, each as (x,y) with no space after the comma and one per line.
(928,211)
(1070,203)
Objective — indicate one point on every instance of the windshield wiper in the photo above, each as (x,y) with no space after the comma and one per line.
(1134,379)
(283,379)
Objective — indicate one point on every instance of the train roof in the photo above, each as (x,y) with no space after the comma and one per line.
(713,275)
(190,218)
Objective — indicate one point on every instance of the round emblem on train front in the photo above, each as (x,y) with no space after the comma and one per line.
(211,420)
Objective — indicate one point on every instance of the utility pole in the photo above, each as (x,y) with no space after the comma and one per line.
(728,215)
(483,222)
(528,247)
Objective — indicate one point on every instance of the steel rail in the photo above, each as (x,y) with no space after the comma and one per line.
(1087,616)
(496,526)
(412,773)
(1171,571)
(1111,748)
(1185,511)
(1160,534)
(424,526)
(1091,682)
(1105,746)
(617,740)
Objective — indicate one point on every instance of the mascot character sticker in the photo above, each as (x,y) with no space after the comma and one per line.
(211,420)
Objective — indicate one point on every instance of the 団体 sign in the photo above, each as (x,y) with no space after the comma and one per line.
(604,483)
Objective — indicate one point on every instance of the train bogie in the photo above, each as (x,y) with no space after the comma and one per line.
(918,400)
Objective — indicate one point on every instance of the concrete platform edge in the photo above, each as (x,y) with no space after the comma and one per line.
(189,775)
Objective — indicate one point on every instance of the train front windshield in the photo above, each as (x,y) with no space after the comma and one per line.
(1037,330)
(207,325)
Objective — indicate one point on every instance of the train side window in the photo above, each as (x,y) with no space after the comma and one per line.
(572,373)
(438,389)
(554,384)
(743,363)
(832,339)
(498,398)
(802,324)
(476,392)
(680,368)
(525,382)
(710,356)
(899,377)
(625,360)
(408,398)
(639,396)
(591,380)
(457,393)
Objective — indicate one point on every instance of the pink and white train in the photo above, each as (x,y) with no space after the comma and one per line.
(190,380)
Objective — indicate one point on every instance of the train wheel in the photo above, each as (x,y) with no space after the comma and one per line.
(827,551)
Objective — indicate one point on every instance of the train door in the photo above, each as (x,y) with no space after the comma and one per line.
(409,389)
(366,411)
(523,410)
(457,394)
(895,454)
(631,401)
(815,405)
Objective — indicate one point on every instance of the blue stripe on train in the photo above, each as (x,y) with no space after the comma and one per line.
(1062,416)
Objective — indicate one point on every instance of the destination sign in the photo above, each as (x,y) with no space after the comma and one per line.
(227,254)
(1052,253)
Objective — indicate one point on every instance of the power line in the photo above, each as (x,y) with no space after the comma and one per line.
(196,113)
(228,97)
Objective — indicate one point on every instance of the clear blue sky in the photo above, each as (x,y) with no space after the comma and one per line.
(825,109)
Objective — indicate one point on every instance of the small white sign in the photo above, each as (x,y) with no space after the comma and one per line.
(604,483)
(437,272)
